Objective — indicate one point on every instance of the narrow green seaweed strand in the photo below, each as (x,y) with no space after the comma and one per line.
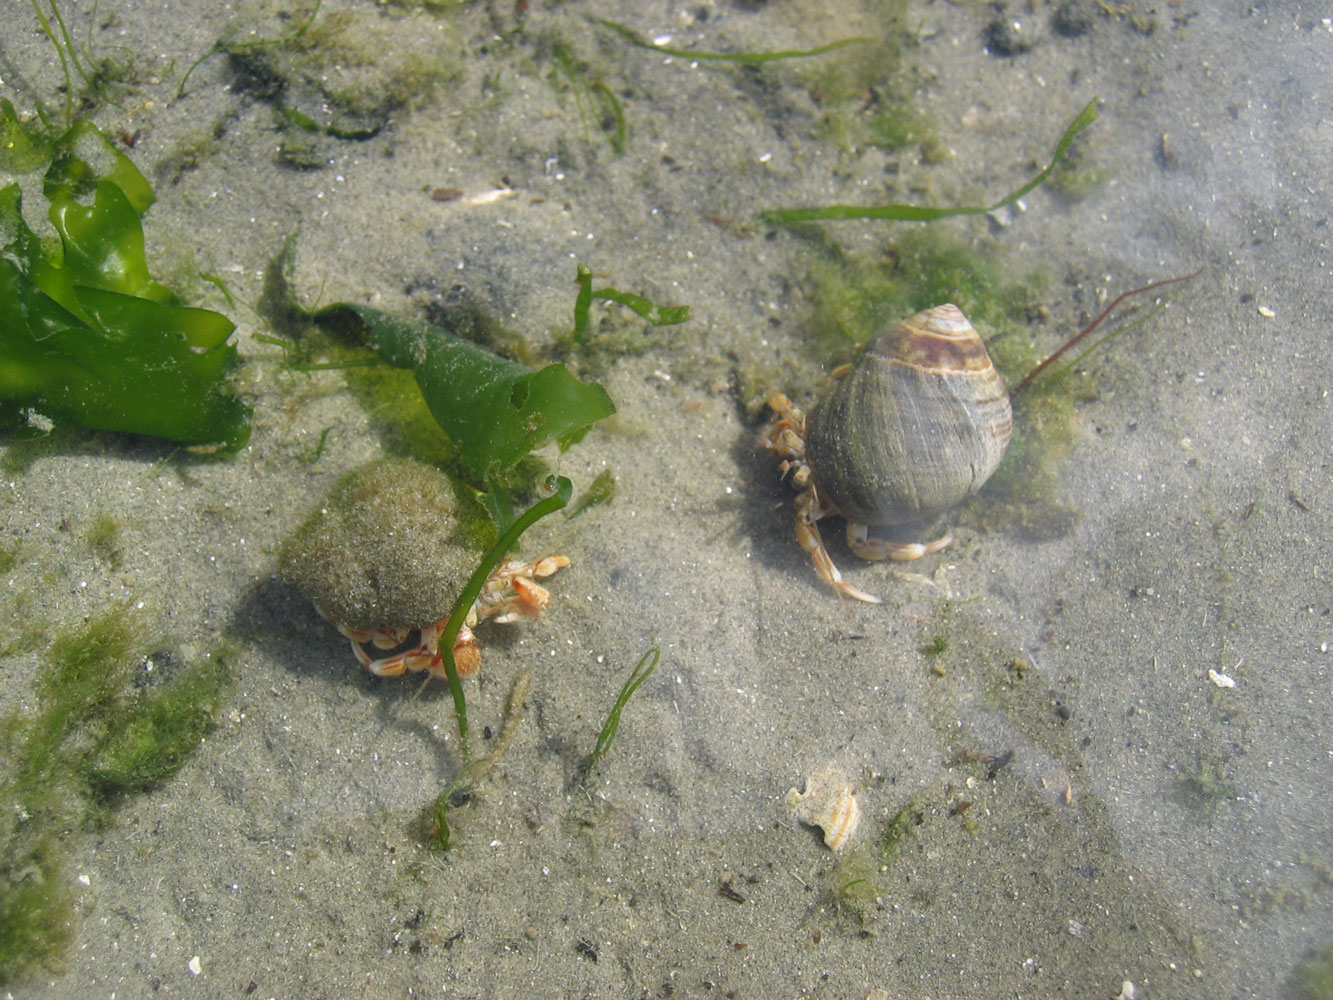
(563,490)
(620,130)
(583,302)
(655,314)
(925,213)
(634,38)
(637,676)
(69,45)
(64,63)
(256,43)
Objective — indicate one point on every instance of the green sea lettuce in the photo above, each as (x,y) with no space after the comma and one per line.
(87,336)
(495,410)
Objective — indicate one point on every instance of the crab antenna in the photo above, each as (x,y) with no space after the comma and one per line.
(1028,379)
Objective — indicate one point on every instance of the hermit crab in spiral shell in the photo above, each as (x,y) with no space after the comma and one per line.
(385,555)
(914,427)
(910,430)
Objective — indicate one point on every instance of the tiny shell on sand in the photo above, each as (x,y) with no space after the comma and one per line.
(828,802)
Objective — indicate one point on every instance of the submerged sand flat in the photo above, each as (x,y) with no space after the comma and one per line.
(1055,799)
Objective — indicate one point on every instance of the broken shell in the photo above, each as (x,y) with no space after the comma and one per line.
(828,802)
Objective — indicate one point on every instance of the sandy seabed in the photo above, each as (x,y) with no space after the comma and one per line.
(286,859)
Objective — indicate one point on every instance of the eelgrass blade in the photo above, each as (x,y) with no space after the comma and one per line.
(744,58)
(637,676)
(563,490)
(926,213)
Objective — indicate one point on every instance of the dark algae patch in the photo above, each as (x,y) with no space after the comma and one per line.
(341,74)
(97,735)
(159,732)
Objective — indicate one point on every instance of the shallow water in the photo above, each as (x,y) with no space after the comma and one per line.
(1101,812)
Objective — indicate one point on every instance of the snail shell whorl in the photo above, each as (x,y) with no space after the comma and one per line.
(917,426)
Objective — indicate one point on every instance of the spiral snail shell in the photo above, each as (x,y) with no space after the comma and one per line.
(914,427)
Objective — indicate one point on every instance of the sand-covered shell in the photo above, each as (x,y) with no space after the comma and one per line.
(917,426)
(828,802)
(384,548)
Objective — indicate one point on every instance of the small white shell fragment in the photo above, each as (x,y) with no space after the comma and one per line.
(195,966)
(1127,991)
(1267,313)
(1221,680)
(828,802)
(487,197)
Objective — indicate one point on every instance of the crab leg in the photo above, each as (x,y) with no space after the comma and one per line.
(528,598)
(860,542)
(786,438)
(510,593)
(808,511)
(399,663)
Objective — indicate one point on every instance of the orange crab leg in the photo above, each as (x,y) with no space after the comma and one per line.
(399,663)
(808,511)
(510,593)
(529,598)
(860,542)
(786,438)
(467,655)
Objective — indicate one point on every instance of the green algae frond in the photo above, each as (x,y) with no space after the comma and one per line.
(87,335)
(496,411)
(657,315)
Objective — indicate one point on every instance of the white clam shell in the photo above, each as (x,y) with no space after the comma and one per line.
(828,802)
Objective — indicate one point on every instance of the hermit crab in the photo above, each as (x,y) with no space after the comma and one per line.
(913,428)
(385,555)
